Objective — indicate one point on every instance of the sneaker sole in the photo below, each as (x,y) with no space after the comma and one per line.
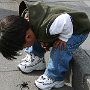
(52,86)
(39,66)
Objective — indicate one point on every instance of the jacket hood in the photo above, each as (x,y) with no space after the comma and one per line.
(37,12)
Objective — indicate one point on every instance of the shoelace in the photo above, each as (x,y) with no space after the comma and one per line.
(31,57)
(45,78)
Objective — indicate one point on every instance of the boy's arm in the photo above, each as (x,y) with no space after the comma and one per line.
(62,25)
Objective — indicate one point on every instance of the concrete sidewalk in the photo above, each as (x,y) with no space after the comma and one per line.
(10,76)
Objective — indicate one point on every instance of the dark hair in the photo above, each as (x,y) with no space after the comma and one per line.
(12,35)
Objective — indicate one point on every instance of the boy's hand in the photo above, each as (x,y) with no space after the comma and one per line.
(60,43)
(45,46)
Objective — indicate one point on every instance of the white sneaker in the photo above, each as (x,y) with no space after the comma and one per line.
(31,63)
(27,58)
(45,83)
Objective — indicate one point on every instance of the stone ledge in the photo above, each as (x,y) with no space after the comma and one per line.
(81,70)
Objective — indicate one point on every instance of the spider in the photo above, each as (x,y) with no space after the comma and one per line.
(24,85)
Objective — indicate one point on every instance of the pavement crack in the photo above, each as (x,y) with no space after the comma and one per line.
(9,70)
(62,1)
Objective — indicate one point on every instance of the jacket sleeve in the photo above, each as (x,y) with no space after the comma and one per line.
(62,25)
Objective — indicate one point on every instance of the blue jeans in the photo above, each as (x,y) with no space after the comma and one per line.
(36,49)
(59,59)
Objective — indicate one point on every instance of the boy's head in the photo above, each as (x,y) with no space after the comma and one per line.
(15,34)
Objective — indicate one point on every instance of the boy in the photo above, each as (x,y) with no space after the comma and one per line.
(17,33)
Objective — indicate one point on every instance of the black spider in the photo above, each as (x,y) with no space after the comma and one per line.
(24,85)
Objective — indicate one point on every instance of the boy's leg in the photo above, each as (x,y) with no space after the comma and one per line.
(34,59)
(59,64)
(36,49)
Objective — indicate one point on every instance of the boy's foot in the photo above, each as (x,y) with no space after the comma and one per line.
(45,83)
(31,63)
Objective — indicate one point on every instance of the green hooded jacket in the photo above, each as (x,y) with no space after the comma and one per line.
(41,16)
